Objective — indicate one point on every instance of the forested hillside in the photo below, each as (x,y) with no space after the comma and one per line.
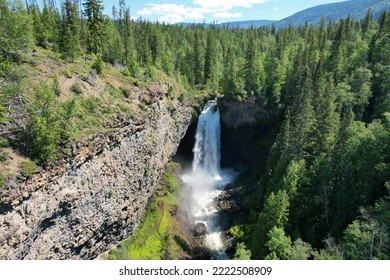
(336,11)
(325,191)
(355,9)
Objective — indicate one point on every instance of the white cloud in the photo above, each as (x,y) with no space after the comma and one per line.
(172,18)
(276,8)
(225,5)
(195,15)
(227,15)
(159,9)
(173,13)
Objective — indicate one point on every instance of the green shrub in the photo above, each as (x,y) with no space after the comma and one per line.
(90,104)
(150,72)
(76,88)
(137,83)
(43,132)
(28,168)
(5,67)
(98,65)
(68,74)
(125,72)
(147,172)
(4,142)
(56,86)
(125,92)
(236,232)
(112,90)
(1,181)
(111,193)
(3,156)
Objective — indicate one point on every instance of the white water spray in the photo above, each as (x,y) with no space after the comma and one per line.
(207,179)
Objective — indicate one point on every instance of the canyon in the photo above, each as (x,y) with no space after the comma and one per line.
(95,195)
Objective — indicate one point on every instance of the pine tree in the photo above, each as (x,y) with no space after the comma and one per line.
(252,69)
(229,78)
(367,21)
(125,29)
(379,58)
(338,53)
(300,250)
(156,47)
(274,214)
(326,117)
(275,80)
(302,118)
(50,19)
(279,245)
(16,30)
(69,39)
(40,36)
(95,21)
(112,51)
(341,177)
(211,60)
(198,59)
(242,253)
(323,37)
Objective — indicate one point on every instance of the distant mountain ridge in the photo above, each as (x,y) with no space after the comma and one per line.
(356,9)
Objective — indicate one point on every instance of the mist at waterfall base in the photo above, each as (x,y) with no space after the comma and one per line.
(207,179)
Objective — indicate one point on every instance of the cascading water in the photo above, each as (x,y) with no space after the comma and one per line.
(207,179)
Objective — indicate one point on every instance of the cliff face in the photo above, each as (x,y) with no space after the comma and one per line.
(94,197)
(247,133)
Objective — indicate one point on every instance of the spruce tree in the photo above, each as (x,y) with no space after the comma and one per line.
(379,58)
(251,77)
(112,48)
(93,10)
(40,36)
(274,214)
(210,57)
(51,21)
(198,58)
(69,37)
(367,21)
(339,53)
(229,78)
(16,30)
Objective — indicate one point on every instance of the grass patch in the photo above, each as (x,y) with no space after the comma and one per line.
(125,109)
(153,239)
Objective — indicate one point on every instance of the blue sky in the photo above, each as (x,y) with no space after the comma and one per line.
(172,11)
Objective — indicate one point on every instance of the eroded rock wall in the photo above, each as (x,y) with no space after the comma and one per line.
(94,198)
(248,131)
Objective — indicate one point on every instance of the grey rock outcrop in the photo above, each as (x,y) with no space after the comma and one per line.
(94,197)
(199,229)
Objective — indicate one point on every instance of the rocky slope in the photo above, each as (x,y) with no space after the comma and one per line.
(94,196)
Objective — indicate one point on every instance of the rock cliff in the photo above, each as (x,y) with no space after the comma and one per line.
(247,133)
(94,196)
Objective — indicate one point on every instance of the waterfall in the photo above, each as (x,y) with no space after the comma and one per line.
(207,179)
(207,155)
